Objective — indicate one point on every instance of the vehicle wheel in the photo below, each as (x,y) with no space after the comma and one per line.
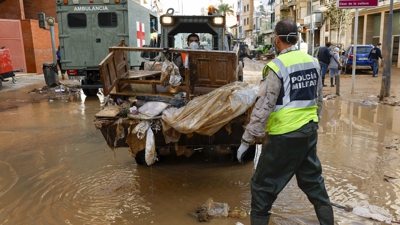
(140,157)
(249,155)
(239,72)
(347,70)
(14,80)
(89,91)
(1,83)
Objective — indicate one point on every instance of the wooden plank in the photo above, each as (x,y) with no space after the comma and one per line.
(121,64)
(135,74)
(108,74)
(171,50)
(109,112)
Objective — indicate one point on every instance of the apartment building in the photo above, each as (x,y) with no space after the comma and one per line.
(245,25)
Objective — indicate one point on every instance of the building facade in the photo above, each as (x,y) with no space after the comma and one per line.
(245,24)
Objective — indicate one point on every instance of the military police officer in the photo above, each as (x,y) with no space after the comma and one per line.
(288,110)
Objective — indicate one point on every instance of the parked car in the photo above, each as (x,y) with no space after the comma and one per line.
(362,62)
(316,51)
(317,48)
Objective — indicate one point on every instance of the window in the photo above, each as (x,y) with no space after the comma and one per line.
(77,20)
(108,19)
(244,9)
(247,21)
(247,7)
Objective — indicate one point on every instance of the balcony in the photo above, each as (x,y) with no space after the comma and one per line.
(284,5)
(317,18)
(292,2)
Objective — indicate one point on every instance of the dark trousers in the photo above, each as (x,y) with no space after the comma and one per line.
(282,157)
(59,65)
(375,65)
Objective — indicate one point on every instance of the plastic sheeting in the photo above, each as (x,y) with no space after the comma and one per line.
(150,154)
(373,212)
(206,114)
(170,74)
(153,108)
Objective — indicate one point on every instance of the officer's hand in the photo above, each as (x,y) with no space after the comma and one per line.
(241,152)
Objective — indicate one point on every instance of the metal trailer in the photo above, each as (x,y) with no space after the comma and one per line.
(88,27)
(207,70)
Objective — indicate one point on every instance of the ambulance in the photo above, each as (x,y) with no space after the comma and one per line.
(87,28)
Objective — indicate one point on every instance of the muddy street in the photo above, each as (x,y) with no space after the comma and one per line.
(56,168)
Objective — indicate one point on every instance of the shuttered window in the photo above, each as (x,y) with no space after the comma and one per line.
(109,19)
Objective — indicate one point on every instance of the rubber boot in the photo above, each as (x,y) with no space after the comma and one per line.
(259,220)
(324,214)
(323,82)
(332,83)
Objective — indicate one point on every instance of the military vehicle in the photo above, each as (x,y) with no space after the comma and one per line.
(207,110)
(88,27)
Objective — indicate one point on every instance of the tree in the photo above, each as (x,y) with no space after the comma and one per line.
(338,18)
(225,9)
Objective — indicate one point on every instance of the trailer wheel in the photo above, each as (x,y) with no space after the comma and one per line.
(1,83)
(89,91)
(140,157)
(239,72)
(249,156)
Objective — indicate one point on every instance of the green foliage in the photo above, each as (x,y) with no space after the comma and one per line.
(260,39)
(225,9)
(338,18)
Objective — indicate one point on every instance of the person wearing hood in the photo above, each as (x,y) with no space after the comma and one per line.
(334,64)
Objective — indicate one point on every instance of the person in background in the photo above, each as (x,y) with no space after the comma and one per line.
(288,111)
(333,65)
(59,62)
(193,41)
(374,55)
(244,51)
(324,58)
(211,10)
(235,47)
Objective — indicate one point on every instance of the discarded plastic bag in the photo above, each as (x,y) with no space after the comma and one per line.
(373,212)
(150,154)
(216,209)
(120,132)
(141,129)
(153,108)
(170,74)
(175,78)
(134,142)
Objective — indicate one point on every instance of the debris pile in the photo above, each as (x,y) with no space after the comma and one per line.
(211,209)
(173,115)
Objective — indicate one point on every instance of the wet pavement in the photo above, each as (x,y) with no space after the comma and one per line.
(55,167)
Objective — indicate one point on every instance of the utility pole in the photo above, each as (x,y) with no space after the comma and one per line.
(387,70)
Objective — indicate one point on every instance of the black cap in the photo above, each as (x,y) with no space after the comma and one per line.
(379,44)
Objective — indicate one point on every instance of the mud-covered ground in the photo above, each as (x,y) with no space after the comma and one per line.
(55,167)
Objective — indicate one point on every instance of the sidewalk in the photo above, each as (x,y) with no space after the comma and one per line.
(367,87)
(36,80)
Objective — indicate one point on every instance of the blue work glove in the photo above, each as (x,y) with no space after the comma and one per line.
(241,152)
